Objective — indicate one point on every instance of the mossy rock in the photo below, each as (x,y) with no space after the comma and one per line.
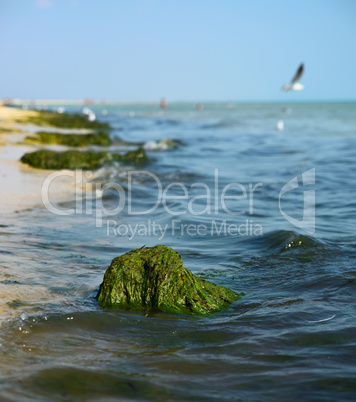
(73,159)
(72,140)
(136,156)
(155,278)
(65,120)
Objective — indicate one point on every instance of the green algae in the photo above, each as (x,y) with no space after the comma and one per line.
(47,159)
(65,120)
(73,159)
(101,138)
(155,278)
(136,156)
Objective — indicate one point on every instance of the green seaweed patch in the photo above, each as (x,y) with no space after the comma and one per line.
(155,278)
(73,159)
(136,156)
(100,138)
(65,120)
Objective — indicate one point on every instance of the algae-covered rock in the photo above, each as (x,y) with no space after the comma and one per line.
(72,140)
(47,159)
(136,156)
(65,120)
(155,277)
(73,159)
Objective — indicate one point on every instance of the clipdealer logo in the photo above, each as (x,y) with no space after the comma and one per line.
(234,199)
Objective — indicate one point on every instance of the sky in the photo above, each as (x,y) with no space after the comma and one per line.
(183,50)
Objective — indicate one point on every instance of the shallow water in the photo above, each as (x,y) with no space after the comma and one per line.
(291,335)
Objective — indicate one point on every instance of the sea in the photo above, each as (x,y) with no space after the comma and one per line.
(257,197)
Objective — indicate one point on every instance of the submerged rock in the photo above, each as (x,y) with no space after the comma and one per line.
(72,140)
(47,159)
(155,277)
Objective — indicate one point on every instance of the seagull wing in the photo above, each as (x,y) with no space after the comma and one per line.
(298,74)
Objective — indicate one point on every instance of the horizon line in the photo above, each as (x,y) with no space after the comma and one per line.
(100,101)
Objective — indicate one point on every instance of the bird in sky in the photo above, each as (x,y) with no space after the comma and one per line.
(295,85)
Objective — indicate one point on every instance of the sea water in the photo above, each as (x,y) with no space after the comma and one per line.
(266,211)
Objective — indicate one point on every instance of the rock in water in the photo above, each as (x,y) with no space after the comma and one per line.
(73,159)
(101,138)
(155,278)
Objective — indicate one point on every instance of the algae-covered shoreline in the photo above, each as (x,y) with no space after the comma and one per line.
(21,185)
(26,138)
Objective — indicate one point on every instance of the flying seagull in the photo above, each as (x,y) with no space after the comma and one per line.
(295,85)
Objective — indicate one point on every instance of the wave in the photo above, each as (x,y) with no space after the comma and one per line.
(284,241)
(168,122)
(165,144)
(219,124)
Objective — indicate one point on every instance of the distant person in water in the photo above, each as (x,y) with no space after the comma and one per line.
(163,103)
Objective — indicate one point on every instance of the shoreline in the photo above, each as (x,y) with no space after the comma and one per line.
(21,190)
(21,184)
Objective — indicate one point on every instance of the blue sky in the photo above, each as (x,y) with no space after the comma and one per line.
(194,50)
